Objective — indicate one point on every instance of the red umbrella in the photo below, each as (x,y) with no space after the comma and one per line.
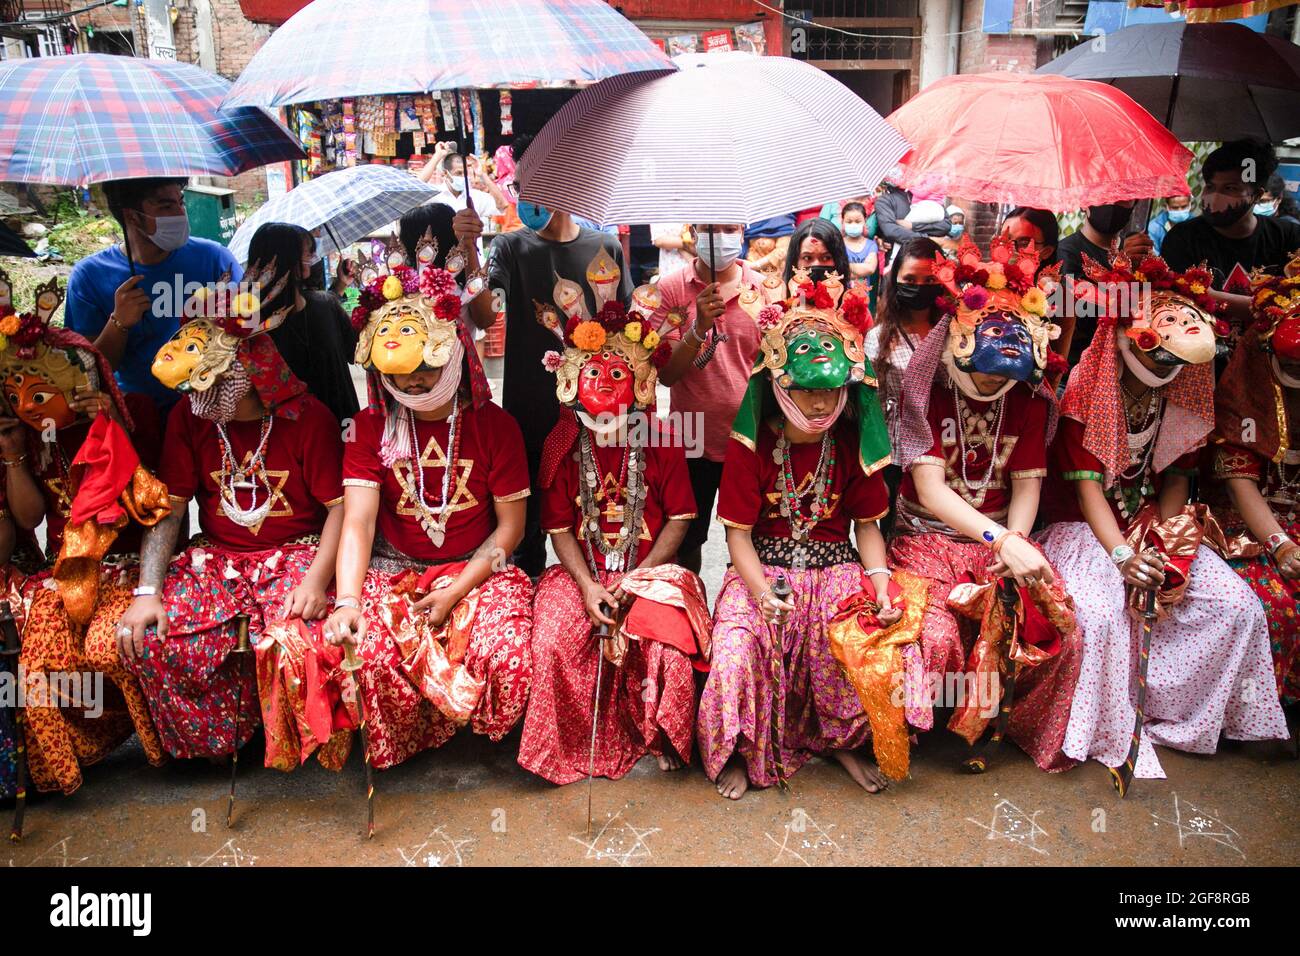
(1036,140)
(1215,11)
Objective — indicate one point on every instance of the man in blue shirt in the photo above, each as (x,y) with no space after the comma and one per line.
(1177,209)
(128,299)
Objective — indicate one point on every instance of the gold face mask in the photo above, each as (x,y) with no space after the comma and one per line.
(177,360)
(398,344)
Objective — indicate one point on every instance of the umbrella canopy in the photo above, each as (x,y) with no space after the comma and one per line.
(335,48)
(91,117)
(12,244)
(1206,81)
(1035,140)
(786,137)
(345,205)
(1216,11)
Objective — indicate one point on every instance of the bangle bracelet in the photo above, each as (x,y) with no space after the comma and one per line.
(145,590)
(120,327)
(1002,539)
(871,571)
(695,335)
(992,534)
(1276,541)
(13,462)
(347,602)
(762,598)
(1120,556)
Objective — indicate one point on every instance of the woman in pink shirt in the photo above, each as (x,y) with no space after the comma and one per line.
(714,347)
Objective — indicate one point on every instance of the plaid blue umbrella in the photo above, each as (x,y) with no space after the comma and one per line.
(345,205)
(90,117)
(335,48)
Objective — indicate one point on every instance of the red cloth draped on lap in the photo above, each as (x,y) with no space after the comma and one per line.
(300,682)
(670,607)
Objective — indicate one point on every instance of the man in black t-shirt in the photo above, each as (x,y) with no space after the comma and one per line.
(522,269)
(1098,235)
(1228,236)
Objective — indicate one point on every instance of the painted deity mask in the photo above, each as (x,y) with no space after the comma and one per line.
(815,360)
(1183,333)
(1003,347)
(177,360)
(605,385)
(398,345)
(36,401)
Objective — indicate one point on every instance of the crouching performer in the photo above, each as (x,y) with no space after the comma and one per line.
(262,459)
(434,482)
(1137,410)
(1257,460)
(617,501)
(800,496)
(70,462)
(977,417)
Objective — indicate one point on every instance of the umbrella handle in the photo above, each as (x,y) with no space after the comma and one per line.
(463,149)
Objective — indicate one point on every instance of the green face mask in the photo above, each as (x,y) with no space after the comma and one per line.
(816,360)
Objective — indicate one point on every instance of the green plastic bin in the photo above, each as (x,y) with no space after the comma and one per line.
(212,212)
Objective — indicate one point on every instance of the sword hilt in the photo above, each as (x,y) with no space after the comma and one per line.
(241,634)
(781,590)
(1149,604)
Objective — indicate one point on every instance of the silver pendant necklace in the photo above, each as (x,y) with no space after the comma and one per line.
(238,479)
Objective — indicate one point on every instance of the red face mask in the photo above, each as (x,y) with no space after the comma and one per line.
(605,385)
(1286,340)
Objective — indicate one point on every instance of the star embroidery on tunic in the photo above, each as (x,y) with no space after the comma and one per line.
(980,441)
(803,490)
(433,456)
(614,497)
(280,507)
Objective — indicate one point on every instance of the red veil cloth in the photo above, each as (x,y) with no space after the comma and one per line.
(1092,397)
(1241,396)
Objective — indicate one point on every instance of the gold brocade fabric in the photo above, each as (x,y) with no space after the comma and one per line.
(1000,645)
(1175,540)
(672,586)
(873,662)
(76,570)
(434,657)
(283,685)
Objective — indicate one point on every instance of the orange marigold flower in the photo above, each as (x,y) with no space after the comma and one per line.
(589,336)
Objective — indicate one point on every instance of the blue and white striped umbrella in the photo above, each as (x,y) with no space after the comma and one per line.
(345,205)
(777,136)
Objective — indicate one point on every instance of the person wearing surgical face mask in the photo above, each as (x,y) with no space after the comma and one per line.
(1177,209)
(714,350)
(862,251)
(1229,236)
(128,299)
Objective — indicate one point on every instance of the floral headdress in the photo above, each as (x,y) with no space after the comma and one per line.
(1275,300)
(1191,286)
(1007,283)
(628,331)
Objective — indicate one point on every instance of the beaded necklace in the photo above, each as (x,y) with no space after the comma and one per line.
(620,555)
(433,518)
(801,525)
(235,477)
(964,414)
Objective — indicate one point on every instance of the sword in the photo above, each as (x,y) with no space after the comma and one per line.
(352,664)
(781,590)
(603,634)
(10,651)
(243,649)
(1122,775)
(979,763)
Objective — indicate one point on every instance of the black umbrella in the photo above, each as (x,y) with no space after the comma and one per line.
(11,244)
(1204,81)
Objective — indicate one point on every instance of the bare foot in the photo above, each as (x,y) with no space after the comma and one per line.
(865,773)
(668,760)
(733,781)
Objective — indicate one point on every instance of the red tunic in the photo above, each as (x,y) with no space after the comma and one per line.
(1022,449)
(668,494)
(491,467)
(747,496)
(302,465)
(1071,462)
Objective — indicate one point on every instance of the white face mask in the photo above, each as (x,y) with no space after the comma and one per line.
(170,232)
(456,182)
(726,248)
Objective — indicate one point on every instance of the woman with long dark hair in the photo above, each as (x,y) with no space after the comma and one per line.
(316,339)
(907,313)
(818,247)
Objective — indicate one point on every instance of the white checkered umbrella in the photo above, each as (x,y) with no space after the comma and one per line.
(731,138)
(345,205)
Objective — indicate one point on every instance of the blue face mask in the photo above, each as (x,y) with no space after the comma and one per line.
(956,230)
(1179,215)
(1265,208)
(854,229)
(534,216)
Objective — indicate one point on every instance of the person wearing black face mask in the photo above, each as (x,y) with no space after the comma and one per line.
(1099,239)
(1228,236)
(907,313)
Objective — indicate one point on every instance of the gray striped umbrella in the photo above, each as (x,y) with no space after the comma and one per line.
(732,137)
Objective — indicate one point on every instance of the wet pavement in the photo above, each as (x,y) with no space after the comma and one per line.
(470,804)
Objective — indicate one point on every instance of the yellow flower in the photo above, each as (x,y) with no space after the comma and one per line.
(392,288)
(9,325)
(651,340)
(245,304)
(1034,301)
(1198,288)
(589,336)
(632,331)
(997,281)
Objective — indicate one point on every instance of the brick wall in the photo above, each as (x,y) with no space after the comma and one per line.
(985,53)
